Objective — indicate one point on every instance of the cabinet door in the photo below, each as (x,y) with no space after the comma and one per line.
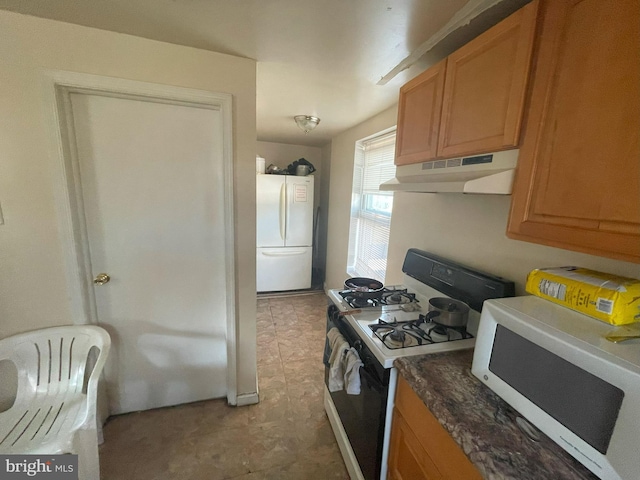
(408,459)
(420,447)
(485,88)
(578,180)
(419,108)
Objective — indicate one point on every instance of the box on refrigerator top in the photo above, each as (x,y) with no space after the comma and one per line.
(610,298)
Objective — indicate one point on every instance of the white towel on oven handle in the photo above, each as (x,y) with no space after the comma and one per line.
(352,364)
(338,346)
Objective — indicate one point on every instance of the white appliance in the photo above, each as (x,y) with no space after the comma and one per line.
(556,368)
(490,173)
(284,232)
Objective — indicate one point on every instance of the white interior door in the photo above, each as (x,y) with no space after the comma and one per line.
(153,202)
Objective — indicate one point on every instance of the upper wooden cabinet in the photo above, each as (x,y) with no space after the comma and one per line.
(472,101)
(485,87)
(419,110)
(578,178)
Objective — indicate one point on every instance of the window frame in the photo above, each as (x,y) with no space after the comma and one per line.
(365,218)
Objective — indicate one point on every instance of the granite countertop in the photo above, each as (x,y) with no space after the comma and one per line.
(483,424)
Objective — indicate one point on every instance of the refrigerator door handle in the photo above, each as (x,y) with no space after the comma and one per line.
(283,254)
(283,210)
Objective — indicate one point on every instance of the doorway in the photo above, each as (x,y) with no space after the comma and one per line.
(150,205)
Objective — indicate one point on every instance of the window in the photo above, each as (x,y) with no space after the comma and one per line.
(370,207)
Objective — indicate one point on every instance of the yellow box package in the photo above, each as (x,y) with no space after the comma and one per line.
(610,298)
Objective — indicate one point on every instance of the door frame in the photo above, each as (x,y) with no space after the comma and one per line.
(58,86)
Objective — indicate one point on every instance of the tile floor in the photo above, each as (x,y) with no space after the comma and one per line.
(285,436)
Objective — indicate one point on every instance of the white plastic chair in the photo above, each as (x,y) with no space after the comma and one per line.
(55,409)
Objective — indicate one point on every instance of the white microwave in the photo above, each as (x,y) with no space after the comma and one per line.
(555,367)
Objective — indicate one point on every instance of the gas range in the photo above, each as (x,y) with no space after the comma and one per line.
(425,276)
(409,313)
(384,325)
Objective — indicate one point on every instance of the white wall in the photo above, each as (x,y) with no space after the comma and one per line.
(467,228)
(471,230)
(33,291)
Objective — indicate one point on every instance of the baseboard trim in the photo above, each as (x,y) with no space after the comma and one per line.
(289,293)
(247,399)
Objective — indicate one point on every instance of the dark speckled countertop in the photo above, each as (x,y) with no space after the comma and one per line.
(483,424)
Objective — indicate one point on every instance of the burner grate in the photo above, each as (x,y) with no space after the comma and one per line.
(413,333)
(394,335)
(387,296)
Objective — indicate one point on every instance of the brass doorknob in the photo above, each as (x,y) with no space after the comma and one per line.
(101,279)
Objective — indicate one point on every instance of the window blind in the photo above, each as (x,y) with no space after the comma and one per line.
(371,208)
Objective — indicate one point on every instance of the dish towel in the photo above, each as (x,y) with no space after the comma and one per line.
(352,364)
(338,346)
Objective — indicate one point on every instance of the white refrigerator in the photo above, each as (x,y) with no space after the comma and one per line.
(284,232)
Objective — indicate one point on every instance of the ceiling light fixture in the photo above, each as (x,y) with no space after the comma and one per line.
(306,122)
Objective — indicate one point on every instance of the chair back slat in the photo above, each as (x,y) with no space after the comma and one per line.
(52,361)
(6,438)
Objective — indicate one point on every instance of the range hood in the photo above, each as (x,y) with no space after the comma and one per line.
(491,173)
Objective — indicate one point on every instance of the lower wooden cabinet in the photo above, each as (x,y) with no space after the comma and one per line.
(420,447)
(408,458)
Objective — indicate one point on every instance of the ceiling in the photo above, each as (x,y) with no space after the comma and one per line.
(314,57)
